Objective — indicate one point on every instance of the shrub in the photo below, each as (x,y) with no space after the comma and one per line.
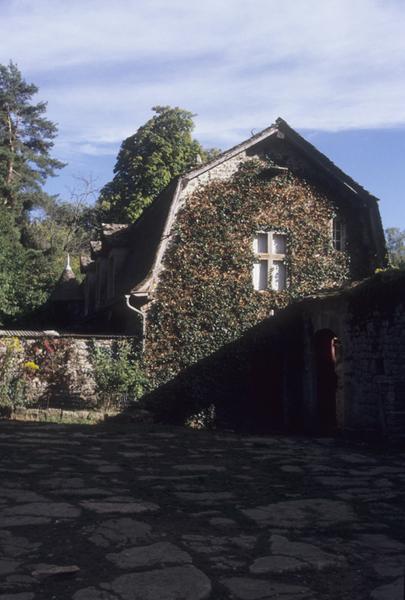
(118,374)
(14,376)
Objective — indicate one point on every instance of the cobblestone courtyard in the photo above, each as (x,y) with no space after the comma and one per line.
(120,513)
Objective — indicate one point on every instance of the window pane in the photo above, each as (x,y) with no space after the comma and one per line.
(279,243)
(262,243)
(278,276)
(256,271)
(263,275)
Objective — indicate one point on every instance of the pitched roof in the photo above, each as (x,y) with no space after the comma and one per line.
(144,237)
(28,333)
(67,288)
(321,160)
(147,238)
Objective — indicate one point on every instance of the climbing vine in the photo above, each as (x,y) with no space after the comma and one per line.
(205,297)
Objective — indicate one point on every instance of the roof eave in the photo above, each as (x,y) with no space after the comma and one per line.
(145,287)
(323,161)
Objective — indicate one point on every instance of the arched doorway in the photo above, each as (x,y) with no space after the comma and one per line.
(325,347)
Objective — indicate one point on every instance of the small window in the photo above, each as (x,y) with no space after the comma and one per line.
(269,269)
(338,234)
(111,277)
(101,281)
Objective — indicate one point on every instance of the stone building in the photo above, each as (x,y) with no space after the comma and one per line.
(125,267)
(233,279)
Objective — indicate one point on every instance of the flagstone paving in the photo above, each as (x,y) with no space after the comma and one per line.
(127,513)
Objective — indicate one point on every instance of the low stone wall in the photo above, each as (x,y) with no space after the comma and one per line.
(59,415)
(56,370)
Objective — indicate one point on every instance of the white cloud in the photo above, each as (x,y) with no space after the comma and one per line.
(102,65)
(96,150)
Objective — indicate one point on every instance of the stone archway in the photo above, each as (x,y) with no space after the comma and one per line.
(325,346)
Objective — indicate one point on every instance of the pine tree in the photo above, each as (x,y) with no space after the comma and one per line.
(26,138)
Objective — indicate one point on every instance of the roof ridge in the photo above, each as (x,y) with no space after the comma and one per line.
(325,162)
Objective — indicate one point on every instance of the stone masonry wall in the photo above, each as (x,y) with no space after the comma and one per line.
(221,172)
(377,381)
(57,370)
(369,322)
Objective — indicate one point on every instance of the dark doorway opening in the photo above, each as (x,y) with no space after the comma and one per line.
(325,344)
(266,390)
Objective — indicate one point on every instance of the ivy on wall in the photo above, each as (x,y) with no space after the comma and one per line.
(205,297)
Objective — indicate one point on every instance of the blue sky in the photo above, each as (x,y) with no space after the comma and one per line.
(334,69)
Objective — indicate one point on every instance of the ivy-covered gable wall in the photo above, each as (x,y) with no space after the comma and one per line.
(205,297)
(364,233)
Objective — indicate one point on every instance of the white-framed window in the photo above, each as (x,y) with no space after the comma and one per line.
(269,268)
(338,233)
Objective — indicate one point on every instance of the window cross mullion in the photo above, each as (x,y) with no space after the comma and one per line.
(269,269)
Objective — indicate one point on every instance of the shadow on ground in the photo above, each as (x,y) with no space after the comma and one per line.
(117,512)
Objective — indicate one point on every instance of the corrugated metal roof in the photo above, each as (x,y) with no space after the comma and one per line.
(35,333)
(28,333)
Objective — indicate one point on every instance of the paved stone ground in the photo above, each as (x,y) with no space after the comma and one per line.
(119,513)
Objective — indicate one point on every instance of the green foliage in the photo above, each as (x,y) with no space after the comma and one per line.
(30,270)
(33,243)
(14,376)
(63,227)
(26,275)
(118,374)
(147,161)
(53,356)
(205,297)
(395,239)
(26,138)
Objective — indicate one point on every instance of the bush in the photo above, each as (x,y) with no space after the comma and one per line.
(118,374)
(15,376)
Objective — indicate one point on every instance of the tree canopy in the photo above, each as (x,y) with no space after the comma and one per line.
(148,160)
(26,275)
(395,239)
(26,138)
(33,253)
(33,243)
